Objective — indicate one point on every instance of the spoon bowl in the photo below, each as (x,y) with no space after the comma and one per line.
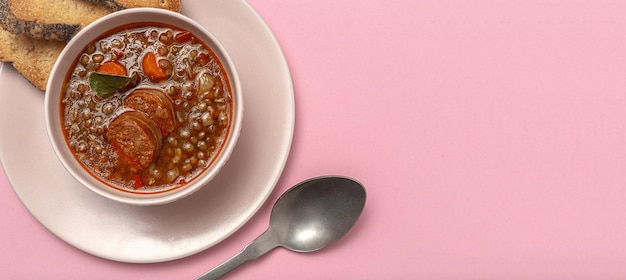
(317,212)
(310,216)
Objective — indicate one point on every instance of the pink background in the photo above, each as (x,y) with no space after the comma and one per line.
(490,136)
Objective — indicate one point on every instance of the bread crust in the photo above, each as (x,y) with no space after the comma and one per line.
(111,5)
(116,5)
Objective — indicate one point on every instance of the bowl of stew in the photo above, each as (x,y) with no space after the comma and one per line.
(144,106)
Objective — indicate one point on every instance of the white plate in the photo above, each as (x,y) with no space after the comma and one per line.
(160,233)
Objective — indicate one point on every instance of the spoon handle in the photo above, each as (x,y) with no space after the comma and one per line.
(261,245)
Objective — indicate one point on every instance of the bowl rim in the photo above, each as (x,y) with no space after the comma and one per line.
(67,59)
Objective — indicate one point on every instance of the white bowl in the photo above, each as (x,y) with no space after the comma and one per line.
(66,61)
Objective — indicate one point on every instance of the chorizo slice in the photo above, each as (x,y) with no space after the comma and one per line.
(156,104)
(135,137)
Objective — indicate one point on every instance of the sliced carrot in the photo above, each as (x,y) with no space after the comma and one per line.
(112,68)
(151,68)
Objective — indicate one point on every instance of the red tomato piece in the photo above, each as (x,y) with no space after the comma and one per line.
(183,37)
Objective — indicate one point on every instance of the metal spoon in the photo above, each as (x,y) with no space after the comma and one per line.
(308,217)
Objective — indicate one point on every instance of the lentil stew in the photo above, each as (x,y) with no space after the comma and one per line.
(146,108)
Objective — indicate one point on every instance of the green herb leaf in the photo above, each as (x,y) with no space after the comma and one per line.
(104,84)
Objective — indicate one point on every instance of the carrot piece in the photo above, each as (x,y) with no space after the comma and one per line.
(112,68)
(151,68)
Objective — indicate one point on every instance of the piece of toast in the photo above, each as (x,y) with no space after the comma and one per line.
(172,5)
(33,28)
(116,5)
(57,11)
(34,58)
(109,4)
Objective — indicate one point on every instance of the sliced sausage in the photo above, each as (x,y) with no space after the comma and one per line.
(156,104)
(135,137)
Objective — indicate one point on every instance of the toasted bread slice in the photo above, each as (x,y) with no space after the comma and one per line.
(57,11)
(116,5)
(112,5)
(33,28)
(172,5)
(32,58)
